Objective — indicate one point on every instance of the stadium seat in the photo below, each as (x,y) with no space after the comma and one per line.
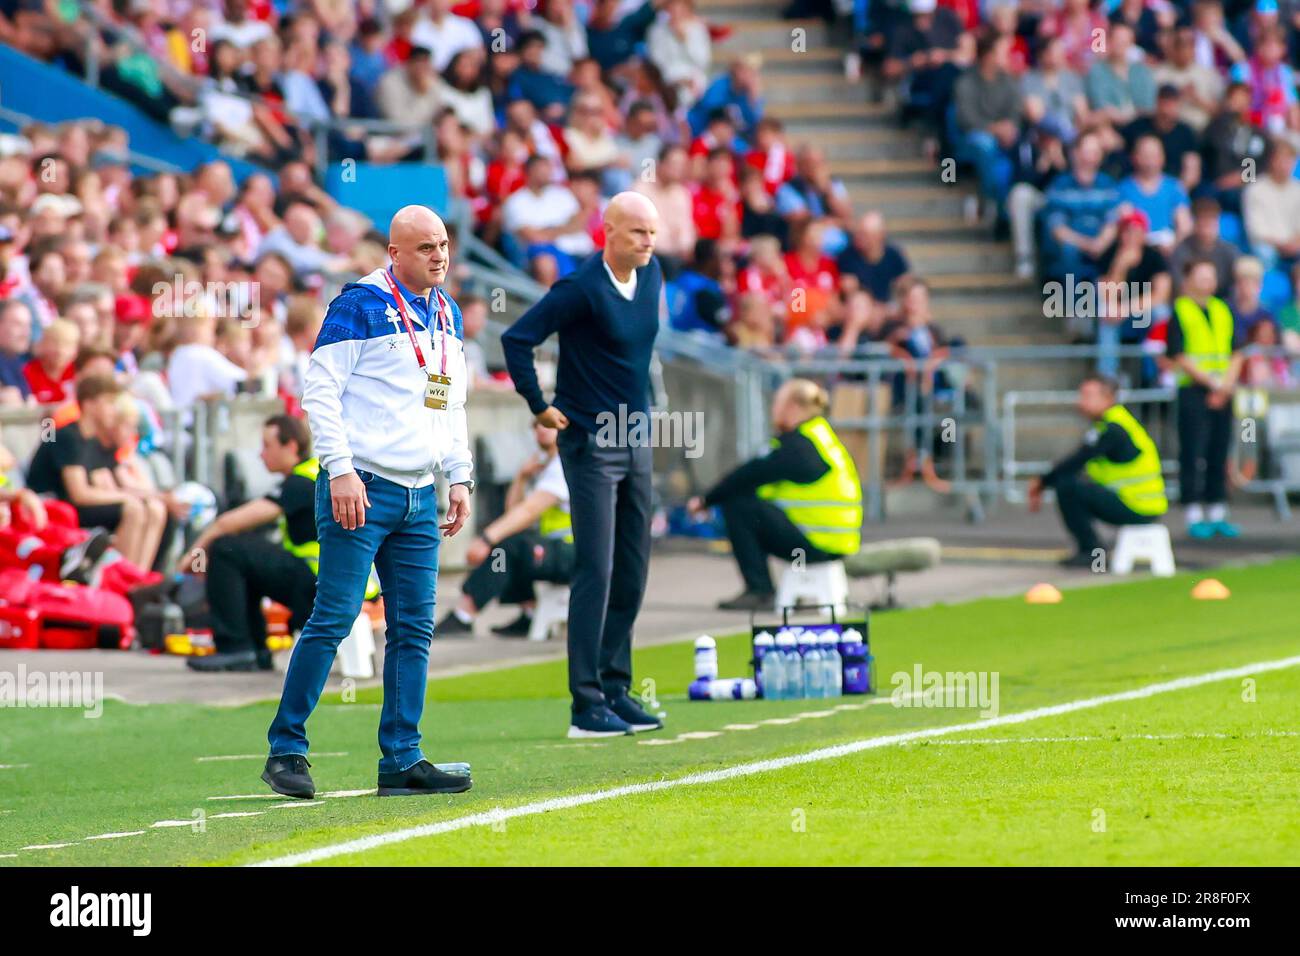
(824,584)
(1148,542)
(356,655)
(379,191)
(552,609)
(891,558)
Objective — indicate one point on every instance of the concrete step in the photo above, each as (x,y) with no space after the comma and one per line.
(873,142)
(783,61)
(908,202)
(819,117)
(979,285)
(725,11)
(929,228)
(932,259)
(765,35)
(804,89)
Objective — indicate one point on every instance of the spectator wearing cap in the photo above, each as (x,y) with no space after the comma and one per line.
(15,349)
(444,33)
(548,93)
(1180,142)
(1053,93)
(1160,197)
(1205,242)
(1134,289)
(739,93)
(1271,209)
(1200,87)
(131,314)
(1247,285)
(925,55)
(1078,213)
(988,116)
(1230,141)
(1038,159)
(409,93)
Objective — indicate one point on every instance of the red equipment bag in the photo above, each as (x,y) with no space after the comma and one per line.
(20,627)
(72,617)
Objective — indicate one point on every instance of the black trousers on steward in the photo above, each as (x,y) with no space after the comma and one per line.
(243,569)
(1082,501)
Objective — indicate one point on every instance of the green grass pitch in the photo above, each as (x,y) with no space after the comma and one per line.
(1197,776)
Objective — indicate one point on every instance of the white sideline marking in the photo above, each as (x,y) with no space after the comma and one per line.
(328,794)
(812,714)
(362,844)
(227,816)
(699,734)
(294,804)
(741,727)
(1115,739)
(258,756)
(173,823)
(48,846)
(780,720)
(8,856)
(116,836)
(14,766)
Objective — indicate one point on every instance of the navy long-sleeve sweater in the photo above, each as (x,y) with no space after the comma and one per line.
(605,343)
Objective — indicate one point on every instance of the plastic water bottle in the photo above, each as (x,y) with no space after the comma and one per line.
(833,665)
(726,688)
(853,651)
(706,657)
(763,646)
(791,664)
(814,674)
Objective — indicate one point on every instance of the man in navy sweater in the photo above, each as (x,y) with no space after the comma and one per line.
(607,315)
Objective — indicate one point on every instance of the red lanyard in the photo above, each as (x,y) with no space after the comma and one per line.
(401,310)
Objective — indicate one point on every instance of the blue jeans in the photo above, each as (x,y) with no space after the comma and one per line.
(400,537)
(992,163)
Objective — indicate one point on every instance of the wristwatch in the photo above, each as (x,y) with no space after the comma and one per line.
(468,483)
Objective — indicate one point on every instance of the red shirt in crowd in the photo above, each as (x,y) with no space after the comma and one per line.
(776,165)
(709,209)
(47,390)
(817,282)
(771,286)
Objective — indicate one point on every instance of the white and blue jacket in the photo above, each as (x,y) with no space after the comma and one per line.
(364,391)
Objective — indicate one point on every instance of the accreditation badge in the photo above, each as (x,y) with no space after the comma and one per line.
(437,392)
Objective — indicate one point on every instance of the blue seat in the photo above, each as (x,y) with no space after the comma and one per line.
(381,190)
(1231,229)
(1276,290)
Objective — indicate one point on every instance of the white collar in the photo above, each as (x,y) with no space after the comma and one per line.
(626,289)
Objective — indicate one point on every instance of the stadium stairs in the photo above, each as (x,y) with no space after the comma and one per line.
(975,292)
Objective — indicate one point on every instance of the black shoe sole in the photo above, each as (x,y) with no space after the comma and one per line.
(299,795)
(458,787)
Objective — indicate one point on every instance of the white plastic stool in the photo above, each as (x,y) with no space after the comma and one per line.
(1148,542)
(356,654)
(821,583)
(552,609)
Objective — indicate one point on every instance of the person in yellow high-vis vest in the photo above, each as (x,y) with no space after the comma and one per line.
(1204,347)
(1113,476)
(242,565)
(531,541)
(801,501)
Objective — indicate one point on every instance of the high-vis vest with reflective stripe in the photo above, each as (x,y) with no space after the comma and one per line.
(1138,482)
(829,510)
(1207,335)
(309,551)
(556,523)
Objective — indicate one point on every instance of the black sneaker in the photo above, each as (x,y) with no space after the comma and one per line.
(287,775)
(749,601)
(598,721)
(452,626)
(423,778)
(630,710)
(79,560)
(519,627)
(231,661)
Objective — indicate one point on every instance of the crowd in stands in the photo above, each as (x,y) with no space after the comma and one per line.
(1120,141)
